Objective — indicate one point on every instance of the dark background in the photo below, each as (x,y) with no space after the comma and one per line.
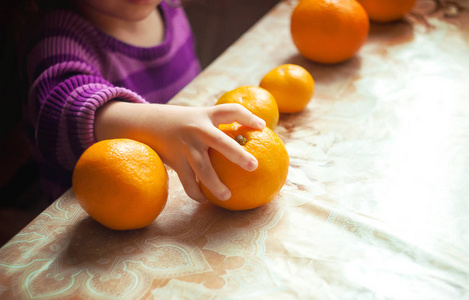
(216,25)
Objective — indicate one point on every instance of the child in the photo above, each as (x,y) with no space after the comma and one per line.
(101,69)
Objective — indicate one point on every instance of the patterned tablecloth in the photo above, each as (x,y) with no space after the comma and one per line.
(376,205)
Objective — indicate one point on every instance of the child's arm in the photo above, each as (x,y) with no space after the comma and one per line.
(181,136)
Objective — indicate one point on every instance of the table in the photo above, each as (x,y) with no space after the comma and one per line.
(376,204)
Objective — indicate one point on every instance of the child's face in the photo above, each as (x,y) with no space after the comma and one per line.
(127,10)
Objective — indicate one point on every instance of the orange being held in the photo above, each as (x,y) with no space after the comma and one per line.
(250,189)
(257,100)
(121,183)
(329,31)
(291,85)
(383,11)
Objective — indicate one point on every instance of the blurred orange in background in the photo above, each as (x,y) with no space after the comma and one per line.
(329,31)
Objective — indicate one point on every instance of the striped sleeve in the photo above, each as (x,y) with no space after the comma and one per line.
(65,93)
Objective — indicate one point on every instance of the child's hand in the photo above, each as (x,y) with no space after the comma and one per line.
(182,136)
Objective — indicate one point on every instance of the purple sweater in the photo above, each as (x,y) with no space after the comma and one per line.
(73,69)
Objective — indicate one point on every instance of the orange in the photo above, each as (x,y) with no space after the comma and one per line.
(329,31)
(291,85)
(383,11)
(250,189)
(121,183)
(257,100)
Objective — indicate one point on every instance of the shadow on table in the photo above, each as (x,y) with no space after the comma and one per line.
(391,34)
(327,73)
(91,244)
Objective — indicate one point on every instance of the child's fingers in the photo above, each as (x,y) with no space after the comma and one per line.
(229,113)
(203,169)
(188,180)
(232,150)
